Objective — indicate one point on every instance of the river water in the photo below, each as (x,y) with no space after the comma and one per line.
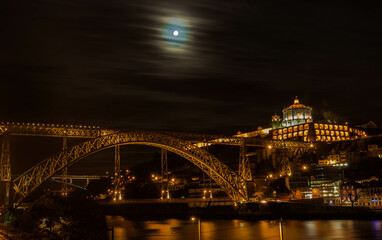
(176,229)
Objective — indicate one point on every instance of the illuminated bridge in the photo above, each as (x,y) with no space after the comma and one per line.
(192,147)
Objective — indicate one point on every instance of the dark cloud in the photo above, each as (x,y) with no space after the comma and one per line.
(107,63)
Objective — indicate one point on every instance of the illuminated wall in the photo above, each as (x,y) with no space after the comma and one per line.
(319,132)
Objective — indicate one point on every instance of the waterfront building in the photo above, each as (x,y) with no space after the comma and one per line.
(362,193)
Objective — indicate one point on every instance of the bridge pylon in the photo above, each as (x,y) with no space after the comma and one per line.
(165,192)
(5,168)
(65,169)
(117,169)
(244,164)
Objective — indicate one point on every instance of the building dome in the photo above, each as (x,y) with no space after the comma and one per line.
(296,114)
(296,104)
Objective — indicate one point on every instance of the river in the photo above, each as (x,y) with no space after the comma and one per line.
(176,229)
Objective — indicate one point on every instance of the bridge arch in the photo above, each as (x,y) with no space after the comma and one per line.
(231,183)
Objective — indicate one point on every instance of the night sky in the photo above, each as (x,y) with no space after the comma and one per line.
(233,65)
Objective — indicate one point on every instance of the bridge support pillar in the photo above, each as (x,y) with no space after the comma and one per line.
(244,165)
(5,169)
(64,188)
(117,169)
(117,160)
(164,175)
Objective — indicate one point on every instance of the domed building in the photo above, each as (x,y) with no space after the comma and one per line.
(296,114)
(297,123)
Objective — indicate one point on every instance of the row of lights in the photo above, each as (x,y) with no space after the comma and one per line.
(50,125)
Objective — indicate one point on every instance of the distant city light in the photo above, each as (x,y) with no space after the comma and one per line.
(175,33)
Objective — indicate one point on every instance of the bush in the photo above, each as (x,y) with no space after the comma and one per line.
(64,218)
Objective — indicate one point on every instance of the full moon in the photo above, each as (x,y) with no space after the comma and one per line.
(175,33)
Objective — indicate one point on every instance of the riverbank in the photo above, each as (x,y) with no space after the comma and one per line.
(269,211)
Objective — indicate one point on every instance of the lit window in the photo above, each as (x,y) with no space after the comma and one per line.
(341,127)
(295,134)
(315,125)
(337,133)
(301,133)
(305,132)
(330,127)
(335,127)
(295,129)
(290,129)
(327,132)
(317,132)
(341,134)
(301,127)
(322,132)
(289,135)
(280,131)
(326,126)
(321,126)
(306,126)
(345,128)
(332,133)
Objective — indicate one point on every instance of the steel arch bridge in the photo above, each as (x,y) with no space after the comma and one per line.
(231,183)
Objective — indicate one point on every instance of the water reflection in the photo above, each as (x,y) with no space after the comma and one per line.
(175,229)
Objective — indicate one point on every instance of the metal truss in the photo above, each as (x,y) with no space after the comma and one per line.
(117,160)
(164,174)
(244,166)
(201,140)
(65,169)
(230,182)
(53,130)
(5,161)
(254,141)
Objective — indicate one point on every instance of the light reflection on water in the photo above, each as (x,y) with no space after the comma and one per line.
(175,229)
